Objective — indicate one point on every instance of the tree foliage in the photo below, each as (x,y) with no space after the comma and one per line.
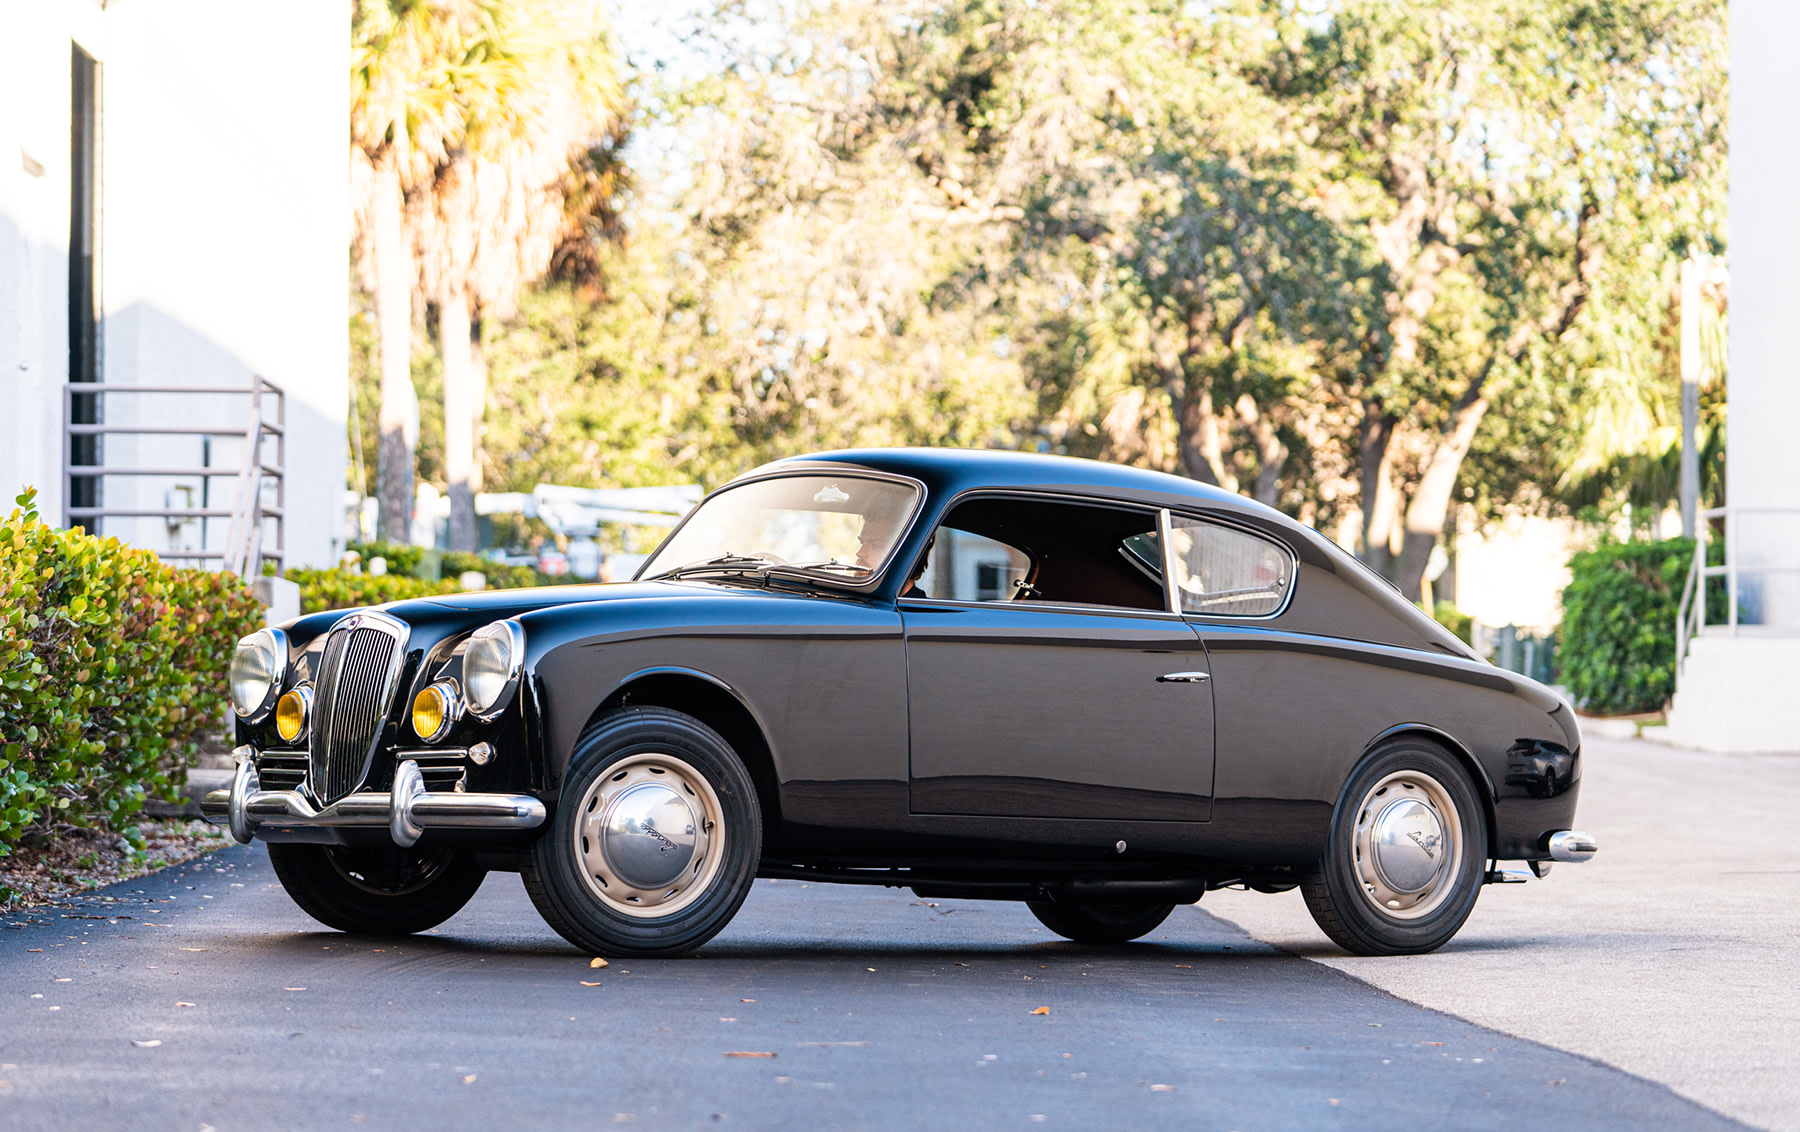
(1361,260)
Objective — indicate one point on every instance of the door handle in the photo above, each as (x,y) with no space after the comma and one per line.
(1183,678)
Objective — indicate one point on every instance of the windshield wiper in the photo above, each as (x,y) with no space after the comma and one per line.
(830,564)
(736,563)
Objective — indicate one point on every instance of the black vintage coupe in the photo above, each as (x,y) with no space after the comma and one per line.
(1099,690)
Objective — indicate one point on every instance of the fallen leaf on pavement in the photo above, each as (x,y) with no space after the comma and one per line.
(194,949)
(1041,1010)
(293,988)
(598,962)
(588,984)
(184,1004)
(34,949)
(1162,1088)
(748,1053)
(1431,1043)
(746,1000)
(469,1080)
(151,1044)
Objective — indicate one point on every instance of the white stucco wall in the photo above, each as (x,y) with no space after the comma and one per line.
(1762,457)
(223,211)
(34,238)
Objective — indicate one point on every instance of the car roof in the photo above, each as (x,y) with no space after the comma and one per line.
(951,470)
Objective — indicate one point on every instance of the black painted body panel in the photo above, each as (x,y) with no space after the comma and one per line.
(1035,735)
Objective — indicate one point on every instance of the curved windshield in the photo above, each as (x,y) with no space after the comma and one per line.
(843,527)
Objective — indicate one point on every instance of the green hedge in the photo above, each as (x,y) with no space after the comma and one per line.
(1618,630)
(434,565)
(112,667)
(343,589)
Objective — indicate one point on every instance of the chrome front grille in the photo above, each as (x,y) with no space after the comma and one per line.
(354,690)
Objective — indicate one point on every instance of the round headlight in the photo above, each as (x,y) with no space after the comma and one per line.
(491,665)
(292,713)
(256,670)
(435,711)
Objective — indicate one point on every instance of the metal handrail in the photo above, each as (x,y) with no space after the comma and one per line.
(249,515)
(1690,618)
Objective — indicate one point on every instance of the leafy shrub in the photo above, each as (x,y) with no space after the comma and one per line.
(434,565)
(343,589)
(112,667)
(1618,629)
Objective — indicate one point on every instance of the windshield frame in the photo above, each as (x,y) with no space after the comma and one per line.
(819,471)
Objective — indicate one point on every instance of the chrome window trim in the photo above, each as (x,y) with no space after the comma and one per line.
(1287,598)
(875,579)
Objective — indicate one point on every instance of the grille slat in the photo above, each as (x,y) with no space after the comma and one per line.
(354,689)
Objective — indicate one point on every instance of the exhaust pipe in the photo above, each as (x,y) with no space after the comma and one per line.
(1572,845)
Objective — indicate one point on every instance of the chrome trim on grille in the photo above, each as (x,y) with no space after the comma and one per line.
(358,676)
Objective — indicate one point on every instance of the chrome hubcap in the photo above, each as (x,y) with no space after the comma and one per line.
(1408,847)
(650,835)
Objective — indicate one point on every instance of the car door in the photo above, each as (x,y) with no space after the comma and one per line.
(1047,675)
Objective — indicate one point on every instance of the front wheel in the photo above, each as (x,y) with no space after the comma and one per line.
(380,891)
(1403,866)
(1095,922)
(655,841)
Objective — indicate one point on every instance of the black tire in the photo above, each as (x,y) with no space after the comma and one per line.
(1094,922)
(379,891)
(567,871)
(1345,890)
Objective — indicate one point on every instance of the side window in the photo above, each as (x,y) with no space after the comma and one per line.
(1007,548)
(1225,572)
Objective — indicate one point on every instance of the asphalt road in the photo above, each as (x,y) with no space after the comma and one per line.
(202,998)
(1674,954)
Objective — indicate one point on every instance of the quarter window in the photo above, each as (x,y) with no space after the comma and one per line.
(1224,571)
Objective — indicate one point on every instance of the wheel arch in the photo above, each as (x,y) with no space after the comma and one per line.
(1484,785)
(715,703)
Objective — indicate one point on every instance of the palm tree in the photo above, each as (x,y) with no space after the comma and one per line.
(402,121)
(465,117)
(535,83)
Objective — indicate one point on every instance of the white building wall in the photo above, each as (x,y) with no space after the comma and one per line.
(34,238)
(223,227)
(1737,692)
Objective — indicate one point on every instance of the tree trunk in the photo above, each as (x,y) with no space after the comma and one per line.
(393,314)
(459,414)
(1430,507)
(1271,453)
(1380,495)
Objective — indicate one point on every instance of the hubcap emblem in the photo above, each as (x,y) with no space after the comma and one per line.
(1406,843)
(649,835)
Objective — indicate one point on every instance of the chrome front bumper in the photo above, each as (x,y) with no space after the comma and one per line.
(407,811)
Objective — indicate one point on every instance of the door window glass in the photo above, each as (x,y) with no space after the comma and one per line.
(1007,548)
(1224,571)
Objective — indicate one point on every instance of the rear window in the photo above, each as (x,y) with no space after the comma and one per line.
(1222,571)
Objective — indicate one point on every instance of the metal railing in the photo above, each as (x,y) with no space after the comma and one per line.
(250,515)
(1690,619)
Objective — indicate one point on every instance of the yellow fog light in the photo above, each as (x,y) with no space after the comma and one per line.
(435,711)
(292,714)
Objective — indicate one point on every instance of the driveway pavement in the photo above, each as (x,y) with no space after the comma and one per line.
(1674,954)
(202,998)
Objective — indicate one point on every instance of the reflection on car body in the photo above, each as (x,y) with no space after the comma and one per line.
(1099,690)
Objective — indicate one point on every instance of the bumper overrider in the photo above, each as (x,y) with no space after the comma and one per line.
(407,811)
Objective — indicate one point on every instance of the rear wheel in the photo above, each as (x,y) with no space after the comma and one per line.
(655,841)
(1096,922)
(1402,870)
(379,890)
